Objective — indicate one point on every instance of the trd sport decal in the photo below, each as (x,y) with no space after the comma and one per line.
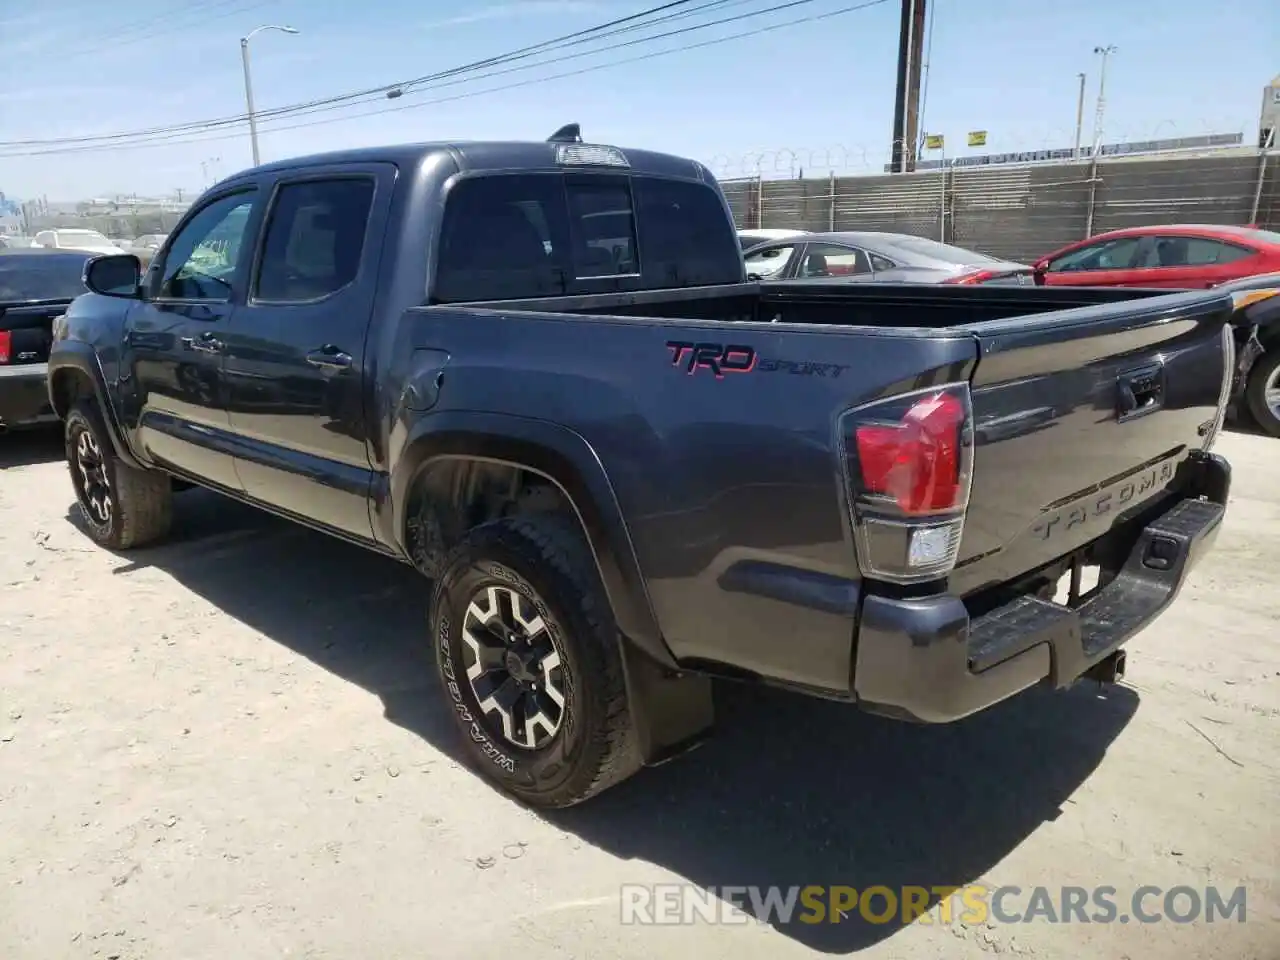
(723,358)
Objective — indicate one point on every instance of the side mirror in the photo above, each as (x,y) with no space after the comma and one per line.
(115,275)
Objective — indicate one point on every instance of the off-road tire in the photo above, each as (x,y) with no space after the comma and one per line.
(1255,391)
(141,500)
(544,559)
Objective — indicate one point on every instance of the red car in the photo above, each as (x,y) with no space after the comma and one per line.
(1181,256)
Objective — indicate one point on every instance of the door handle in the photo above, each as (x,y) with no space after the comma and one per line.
(329,357)
(205,343)
(1140,391)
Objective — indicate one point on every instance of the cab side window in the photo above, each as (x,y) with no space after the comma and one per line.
(314,239)
(504,237)
(201,261)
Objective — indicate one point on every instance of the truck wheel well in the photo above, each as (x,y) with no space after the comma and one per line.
(453,496)
(68,387)
(1269,336)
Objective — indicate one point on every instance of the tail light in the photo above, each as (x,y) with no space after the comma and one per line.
(978,276)
(909,466)
(986,276)
(6,346)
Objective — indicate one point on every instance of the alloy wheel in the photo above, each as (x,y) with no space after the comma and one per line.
(1271,392)
(94,485)
(513,665)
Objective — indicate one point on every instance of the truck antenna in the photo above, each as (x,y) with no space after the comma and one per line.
(569,133)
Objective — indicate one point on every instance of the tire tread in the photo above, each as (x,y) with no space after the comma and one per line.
(143,499)
(554,543)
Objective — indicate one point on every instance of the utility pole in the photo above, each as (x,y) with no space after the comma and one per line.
(1075,154)
(248,82)
(906,109)
(1099,113)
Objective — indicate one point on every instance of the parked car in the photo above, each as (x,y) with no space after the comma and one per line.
(1179,256)
(75,239)
(625,480)
(880,257)
(10,241)
(145,246)
(1255,390)
(35,287)
(751,238)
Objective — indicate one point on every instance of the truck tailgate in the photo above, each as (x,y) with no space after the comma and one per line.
(1081,420)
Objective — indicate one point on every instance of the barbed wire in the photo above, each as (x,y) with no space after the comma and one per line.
(849,159)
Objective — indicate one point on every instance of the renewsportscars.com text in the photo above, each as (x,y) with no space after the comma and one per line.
(675,904)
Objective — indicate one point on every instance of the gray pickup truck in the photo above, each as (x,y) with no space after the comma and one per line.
(537,372)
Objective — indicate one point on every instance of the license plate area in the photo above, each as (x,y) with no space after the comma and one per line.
(1078,583)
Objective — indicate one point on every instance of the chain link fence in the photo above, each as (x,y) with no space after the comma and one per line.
(1022,212)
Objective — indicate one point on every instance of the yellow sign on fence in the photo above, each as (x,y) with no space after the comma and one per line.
(977,138)
(933,141)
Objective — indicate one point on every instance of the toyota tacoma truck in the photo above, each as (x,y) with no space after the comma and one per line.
(536,372)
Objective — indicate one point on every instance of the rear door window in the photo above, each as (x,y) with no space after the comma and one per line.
(1182,251)
(314,238)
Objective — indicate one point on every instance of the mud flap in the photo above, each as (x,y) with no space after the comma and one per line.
(672,713)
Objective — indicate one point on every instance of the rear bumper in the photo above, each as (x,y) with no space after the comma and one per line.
(927,660)
(24,395)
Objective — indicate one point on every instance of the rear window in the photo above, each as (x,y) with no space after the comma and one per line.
(1254,234)
(26,277)
(934,250)
(518,236)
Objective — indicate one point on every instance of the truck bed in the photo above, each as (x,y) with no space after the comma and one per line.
(727,482)
(813,302)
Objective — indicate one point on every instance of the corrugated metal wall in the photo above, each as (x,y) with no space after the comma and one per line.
(1199,190)
(1020,212)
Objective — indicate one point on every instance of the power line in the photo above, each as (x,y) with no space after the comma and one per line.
(192,126)
(155,26)
(428,84)
(145,144)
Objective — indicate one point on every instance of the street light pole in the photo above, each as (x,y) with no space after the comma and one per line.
(1104,52)
(1075,155)
(248,82)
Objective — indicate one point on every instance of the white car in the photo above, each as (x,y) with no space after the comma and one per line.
(91,241)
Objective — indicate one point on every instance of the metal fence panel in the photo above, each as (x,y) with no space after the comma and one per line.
(1139,193)
(740,194)
(1022,212)
(909,203)
(1019,213)
(798,204)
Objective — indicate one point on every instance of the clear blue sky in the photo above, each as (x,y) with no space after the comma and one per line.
(823,89)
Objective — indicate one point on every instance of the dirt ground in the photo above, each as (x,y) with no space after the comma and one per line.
(229,746)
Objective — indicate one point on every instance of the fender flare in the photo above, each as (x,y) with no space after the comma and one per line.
(567,460)
(82,359)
